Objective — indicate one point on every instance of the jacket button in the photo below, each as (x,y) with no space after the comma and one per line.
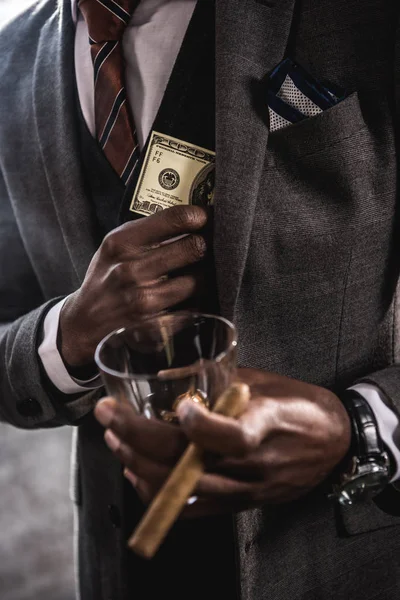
(115,515)
(29,408)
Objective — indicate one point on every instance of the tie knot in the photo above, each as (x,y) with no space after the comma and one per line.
(107,19)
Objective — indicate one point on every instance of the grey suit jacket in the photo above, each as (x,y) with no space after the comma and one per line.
(306,250)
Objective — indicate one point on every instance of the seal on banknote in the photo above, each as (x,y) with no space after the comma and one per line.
(169,179)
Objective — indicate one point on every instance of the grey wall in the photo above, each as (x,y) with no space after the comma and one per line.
(35,511)
(35,515)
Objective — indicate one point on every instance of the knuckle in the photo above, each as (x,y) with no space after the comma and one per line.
(119,273)
(110,244)
(178,218)
(196,423)
(248,440)
(134,272)
(131,461)
(127,297)
(142,302)
(196,246)
(184,218)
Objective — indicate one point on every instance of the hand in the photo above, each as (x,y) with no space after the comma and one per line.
(150,447)
(286,443)
(126,279)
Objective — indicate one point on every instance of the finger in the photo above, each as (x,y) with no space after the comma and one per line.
(153,472)
(125,241)
(239,495)
(209,486)
(256,466)
(270,457)
(131,477)
(212,432)
(153,264)
(143,490)
(220,486)
(154,299)
(180,372)
(149,437)
(202,507)
(223,435)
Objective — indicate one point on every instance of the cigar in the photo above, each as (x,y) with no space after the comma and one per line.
(172,497)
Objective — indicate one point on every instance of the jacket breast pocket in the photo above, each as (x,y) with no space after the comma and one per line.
(331,175)
(316,133)
(323,171)
(324,207)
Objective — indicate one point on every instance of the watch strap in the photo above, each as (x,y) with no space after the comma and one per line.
(366,441)
(365,471)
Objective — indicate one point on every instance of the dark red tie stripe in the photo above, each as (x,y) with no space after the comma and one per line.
(115,131)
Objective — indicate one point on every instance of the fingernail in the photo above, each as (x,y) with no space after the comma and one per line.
(130,477)
(111,440)
(104,411)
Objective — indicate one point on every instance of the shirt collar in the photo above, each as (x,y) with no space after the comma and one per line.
(149,5)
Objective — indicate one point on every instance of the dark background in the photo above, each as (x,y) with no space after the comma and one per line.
(36,528)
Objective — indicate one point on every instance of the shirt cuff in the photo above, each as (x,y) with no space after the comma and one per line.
(53,363)
(386,418)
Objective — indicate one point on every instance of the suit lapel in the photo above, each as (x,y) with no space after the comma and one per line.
(251,39)
(55,115)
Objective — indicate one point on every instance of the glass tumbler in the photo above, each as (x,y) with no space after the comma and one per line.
(156,363)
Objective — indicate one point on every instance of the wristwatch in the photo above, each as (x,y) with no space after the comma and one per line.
(366,470)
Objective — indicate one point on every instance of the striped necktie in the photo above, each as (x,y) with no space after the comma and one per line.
(115,131)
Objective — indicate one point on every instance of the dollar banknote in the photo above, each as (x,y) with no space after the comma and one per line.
(174,172)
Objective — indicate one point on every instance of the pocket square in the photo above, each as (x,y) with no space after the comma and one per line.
(294,95)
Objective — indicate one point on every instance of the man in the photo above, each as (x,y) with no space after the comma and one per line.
(306,257)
